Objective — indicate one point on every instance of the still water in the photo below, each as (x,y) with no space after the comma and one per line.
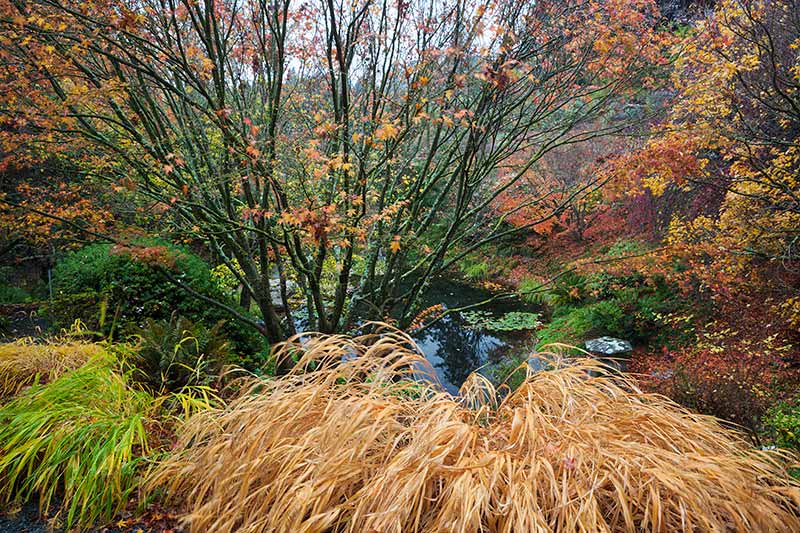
(454,349)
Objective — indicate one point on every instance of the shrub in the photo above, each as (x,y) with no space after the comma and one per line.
(569,325)
(177,353)
(565,291)
(474,268)
(783,424)
(626,306)
(13,295)
(133,285)
(627,247)
(533,290)
(724,375)
(90,308)
(607,317)
(25,362)
(346,448)
(110,287)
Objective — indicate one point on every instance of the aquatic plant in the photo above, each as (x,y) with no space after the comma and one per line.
(511,321)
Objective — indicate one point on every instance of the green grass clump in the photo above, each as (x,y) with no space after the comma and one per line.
(81,437)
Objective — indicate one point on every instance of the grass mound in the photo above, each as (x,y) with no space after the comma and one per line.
(356,446)
(24,362)
(77,442)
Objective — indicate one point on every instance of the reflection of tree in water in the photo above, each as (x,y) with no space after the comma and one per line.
(456,351)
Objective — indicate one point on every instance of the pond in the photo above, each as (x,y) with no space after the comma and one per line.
(453,347)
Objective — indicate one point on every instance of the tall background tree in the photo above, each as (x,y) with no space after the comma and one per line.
(731,146)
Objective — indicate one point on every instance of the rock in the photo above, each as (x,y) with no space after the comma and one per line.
(275,291)
(610,351)
(663,375)
(537,364)
(608,346)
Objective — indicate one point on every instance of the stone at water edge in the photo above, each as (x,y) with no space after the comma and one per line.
(608,346)
(611,351)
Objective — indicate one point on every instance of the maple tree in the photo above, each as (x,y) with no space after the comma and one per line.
(43,213)
(734,134)
(569,179)
(361,141)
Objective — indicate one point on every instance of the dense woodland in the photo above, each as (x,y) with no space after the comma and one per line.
(225,224)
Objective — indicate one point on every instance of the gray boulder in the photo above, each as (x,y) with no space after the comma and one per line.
(275,288)
(275,291)
(610,351)
(608,346)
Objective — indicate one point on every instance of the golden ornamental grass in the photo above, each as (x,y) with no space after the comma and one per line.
(358,446)
(25,361)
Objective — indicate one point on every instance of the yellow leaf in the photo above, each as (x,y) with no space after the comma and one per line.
(386,131)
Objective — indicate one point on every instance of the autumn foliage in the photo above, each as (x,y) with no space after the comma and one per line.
(733,129)
(623,171)
(364,143)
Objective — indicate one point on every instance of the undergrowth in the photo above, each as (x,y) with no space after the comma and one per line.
(79,443)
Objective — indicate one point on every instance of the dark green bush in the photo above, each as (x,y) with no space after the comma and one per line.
(137,285)
(113,291)
(13,295)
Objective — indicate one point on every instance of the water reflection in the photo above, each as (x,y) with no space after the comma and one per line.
(454,349)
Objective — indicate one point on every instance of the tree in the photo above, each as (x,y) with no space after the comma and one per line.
(570,178)
(734,134)
(352,146)
(43,212)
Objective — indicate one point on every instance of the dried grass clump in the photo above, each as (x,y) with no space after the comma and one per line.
(356,446)
(24,362)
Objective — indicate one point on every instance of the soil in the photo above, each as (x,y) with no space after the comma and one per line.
(27,520)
